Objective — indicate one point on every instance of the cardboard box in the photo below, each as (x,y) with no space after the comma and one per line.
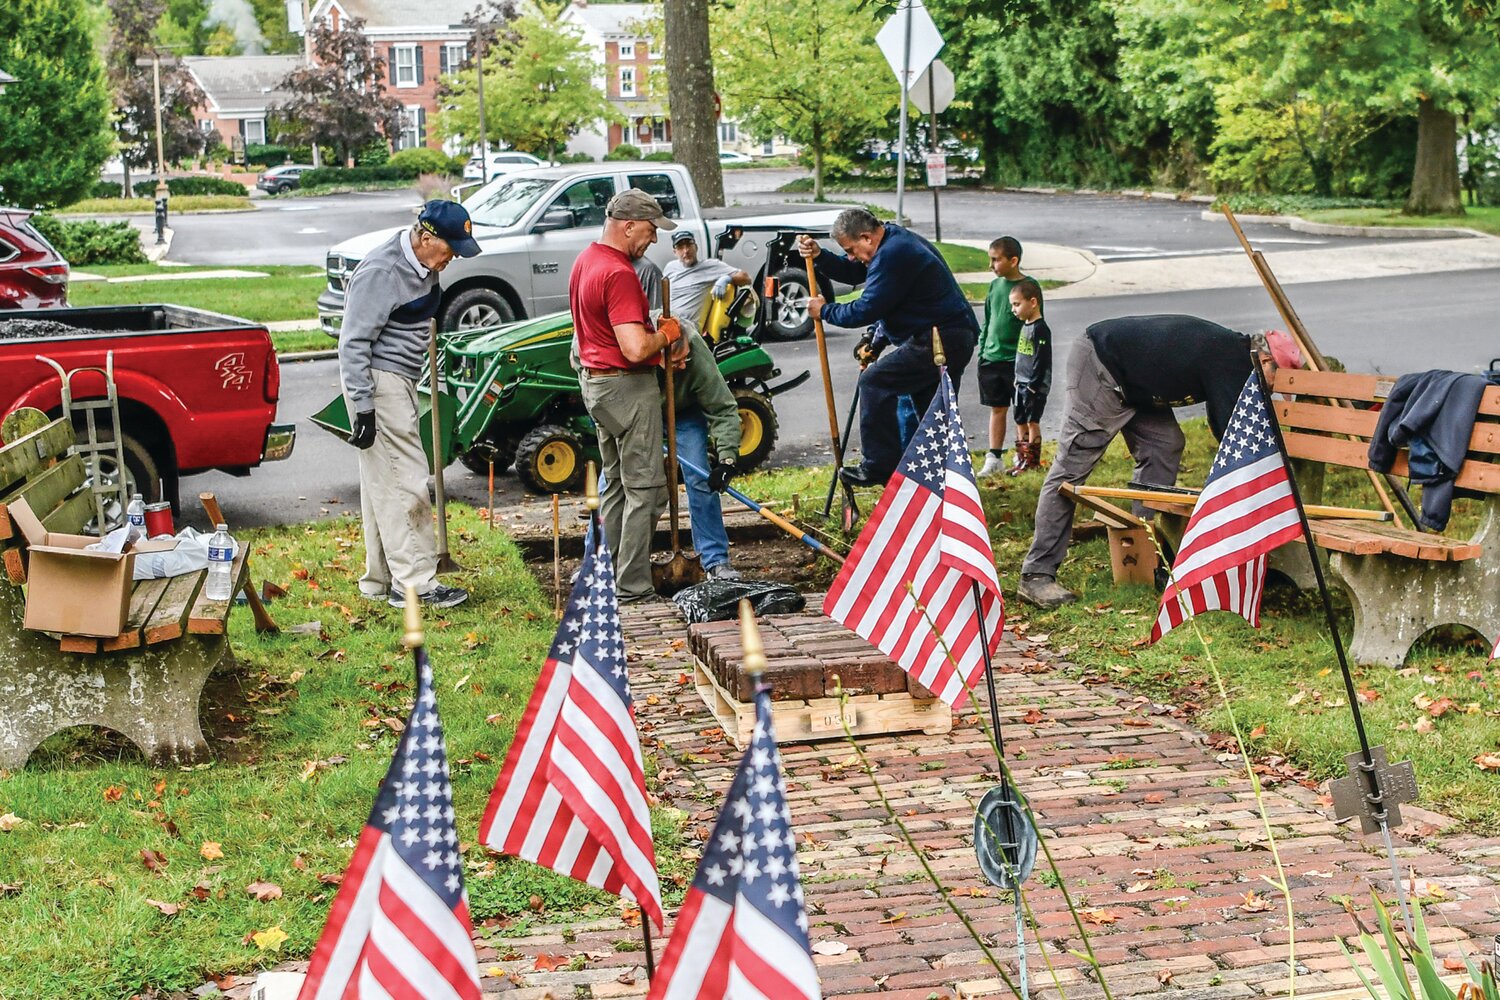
(72,590)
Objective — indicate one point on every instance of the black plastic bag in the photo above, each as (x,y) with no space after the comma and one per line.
(719,600)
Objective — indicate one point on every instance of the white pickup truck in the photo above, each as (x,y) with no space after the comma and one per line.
(532,224)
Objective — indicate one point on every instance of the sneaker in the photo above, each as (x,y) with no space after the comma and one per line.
(381,596)
(993,465)
(723,571)
(1044,591)
(440,596)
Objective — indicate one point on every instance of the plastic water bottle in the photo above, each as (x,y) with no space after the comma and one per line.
(135,514)
(220,561)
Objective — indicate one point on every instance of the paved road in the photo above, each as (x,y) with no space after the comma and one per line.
(1393,325)
(300,230)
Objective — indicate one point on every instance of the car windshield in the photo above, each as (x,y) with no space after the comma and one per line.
(502,203)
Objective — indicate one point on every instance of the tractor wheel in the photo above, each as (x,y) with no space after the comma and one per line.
(550,460)
(757,428)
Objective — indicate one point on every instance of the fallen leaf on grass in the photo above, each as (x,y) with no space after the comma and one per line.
(1098,916)
(1488,761)
(9,888)
(114,793)
(1032,717)
(1441,707)
(1255,903)
(200,891)
(331,878)
(551,963)
(153,860)
(263,891)
(1367,696)
(1431,890)
(270,939)
(1257,732)
(1424,726)
(166,909)
(894,918)
(211,850)
(830,948)
(9,822)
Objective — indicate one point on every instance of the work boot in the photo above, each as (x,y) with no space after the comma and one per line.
(1023,458)
(1044,591)
(993,464)
(723,571)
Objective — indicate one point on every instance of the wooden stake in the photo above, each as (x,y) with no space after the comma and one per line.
(556,559)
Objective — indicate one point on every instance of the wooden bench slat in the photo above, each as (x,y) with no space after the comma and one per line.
(208,617)
(169,619)
(43,492)
(1322,417)
(78,644)
(1332,385)
(1480,476)
(1363,538)
(25,455)
(143,600)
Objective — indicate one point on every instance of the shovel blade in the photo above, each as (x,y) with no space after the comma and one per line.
(675,572)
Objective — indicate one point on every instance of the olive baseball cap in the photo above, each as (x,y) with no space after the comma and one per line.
(449,221)
(635,205)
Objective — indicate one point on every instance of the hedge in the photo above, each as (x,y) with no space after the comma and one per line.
(266,156)
(107,189)
(190,185)
(624,151)
(328,176)
(423,161)
(659,157)
(84,243)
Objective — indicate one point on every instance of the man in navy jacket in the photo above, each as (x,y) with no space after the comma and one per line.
(908,290)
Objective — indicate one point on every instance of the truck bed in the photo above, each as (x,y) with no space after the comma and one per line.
(113,321)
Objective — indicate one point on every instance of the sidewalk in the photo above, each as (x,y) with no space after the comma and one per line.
(1155,831)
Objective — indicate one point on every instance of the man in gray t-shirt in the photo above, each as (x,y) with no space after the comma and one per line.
(693,278)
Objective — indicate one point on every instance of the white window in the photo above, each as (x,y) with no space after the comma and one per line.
(627,51)
(729,132)
(205,126)
(405,73)
(411,128)
(255,131)
(627,81)
(456,53)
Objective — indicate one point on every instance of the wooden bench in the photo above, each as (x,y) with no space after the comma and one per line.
(1402,582)
(144,683)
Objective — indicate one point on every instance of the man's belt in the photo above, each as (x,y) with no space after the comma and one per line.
(611,372)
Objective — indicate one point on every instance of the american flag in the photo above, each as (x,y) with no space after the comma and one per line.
(742,931)
(399,926)
(927,531)
(572,794)
(1246,509)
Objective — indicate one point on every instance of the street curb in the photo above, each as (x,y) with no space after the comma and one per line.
(1300,225)
(156,252)
(296,356)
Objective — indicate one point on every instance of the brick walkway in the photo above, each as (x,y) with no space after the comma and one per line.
(1155,832)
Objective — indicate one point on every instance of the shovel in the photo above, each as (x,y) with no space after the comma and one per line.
(679,570)
(445,563)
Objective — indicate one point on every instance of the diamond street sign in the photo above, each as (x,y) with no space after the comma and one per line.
(937,81)
(925,41)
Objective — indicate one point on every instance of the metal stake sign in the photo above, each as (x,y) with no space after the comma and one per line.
(909,40)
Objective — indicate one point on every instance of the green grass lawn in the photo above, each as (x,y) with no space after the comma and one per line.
(298,341)
(1485,218)
(288,293)
(301,728)
(1283,679)
(147,206)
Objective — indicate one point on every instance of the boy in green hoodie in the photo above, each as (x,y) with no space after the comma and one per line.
(997,347)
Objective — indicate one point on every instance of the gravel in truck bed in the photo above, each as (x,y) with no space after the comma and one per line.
(41,329)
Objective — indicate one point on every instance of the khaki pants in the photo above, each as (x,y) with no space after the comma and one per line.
(627,412)
(400,547)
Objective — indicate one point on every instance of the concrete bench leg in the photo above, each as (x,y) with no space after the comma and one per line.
(1396,600)
(150,696)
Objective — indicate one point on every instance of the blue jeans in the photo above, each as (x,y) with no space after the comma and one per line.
(704,508)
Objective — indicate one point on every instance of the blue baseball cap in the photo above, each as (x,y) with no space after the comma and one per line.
(449,221)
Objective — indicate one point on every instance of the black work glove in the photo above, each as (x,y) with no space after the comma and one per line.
(866,351)
(362,434)
(719,476)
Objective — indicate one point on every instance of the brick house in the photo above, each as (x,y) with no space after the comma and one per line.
(239,91)
(420,40)
(616,36)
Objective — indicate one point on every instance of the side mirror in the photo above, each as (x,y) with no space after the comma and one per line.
(554,218)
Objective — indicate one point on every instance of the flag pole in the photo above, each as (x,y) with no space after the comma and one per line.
(591,501)
(1374,795)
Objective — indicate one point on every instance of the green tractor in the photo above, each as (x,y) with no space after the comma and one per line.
(511,396)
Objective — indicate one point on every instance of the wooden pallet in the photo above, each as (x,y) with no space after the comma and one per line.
(808,720)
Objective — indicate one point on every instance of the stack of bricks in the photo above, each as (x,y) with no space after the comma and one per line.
(808,656)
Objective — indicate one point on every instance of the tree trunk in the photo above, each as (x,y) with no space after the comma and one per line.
(817,172)
(125,168)
(690,92)
(1434,181)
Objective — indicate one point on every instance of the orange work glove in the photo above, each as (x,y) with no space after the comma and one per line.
(670,329)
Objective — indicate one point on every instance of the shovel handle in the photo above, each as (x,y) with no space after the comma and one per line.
(773,517)
(666,357)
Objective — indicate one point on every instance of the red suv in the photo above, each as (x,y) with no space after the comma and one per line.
(32,274)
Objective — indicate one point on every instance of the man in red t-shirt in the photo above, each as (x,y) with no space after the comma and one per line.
(619,348)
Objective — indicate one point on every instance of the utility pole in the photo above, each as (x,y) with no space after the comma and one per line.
(161,160)
(307,55)
(484,145)
(901,128)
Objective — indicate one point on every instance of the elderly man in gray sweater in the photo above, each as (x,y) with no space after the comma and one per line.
(391,297)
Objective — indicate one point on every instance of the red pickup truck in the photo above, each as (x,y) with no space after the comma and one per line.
(197,390)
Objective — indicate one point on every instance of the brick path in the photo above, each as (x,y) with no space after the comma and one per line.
(1155,832)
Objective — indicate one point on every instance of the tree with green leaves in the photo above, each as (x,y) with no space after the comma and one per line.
(808,69)
(690,83)
(132,27)
(539,89)
(340,100)
(54,120)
